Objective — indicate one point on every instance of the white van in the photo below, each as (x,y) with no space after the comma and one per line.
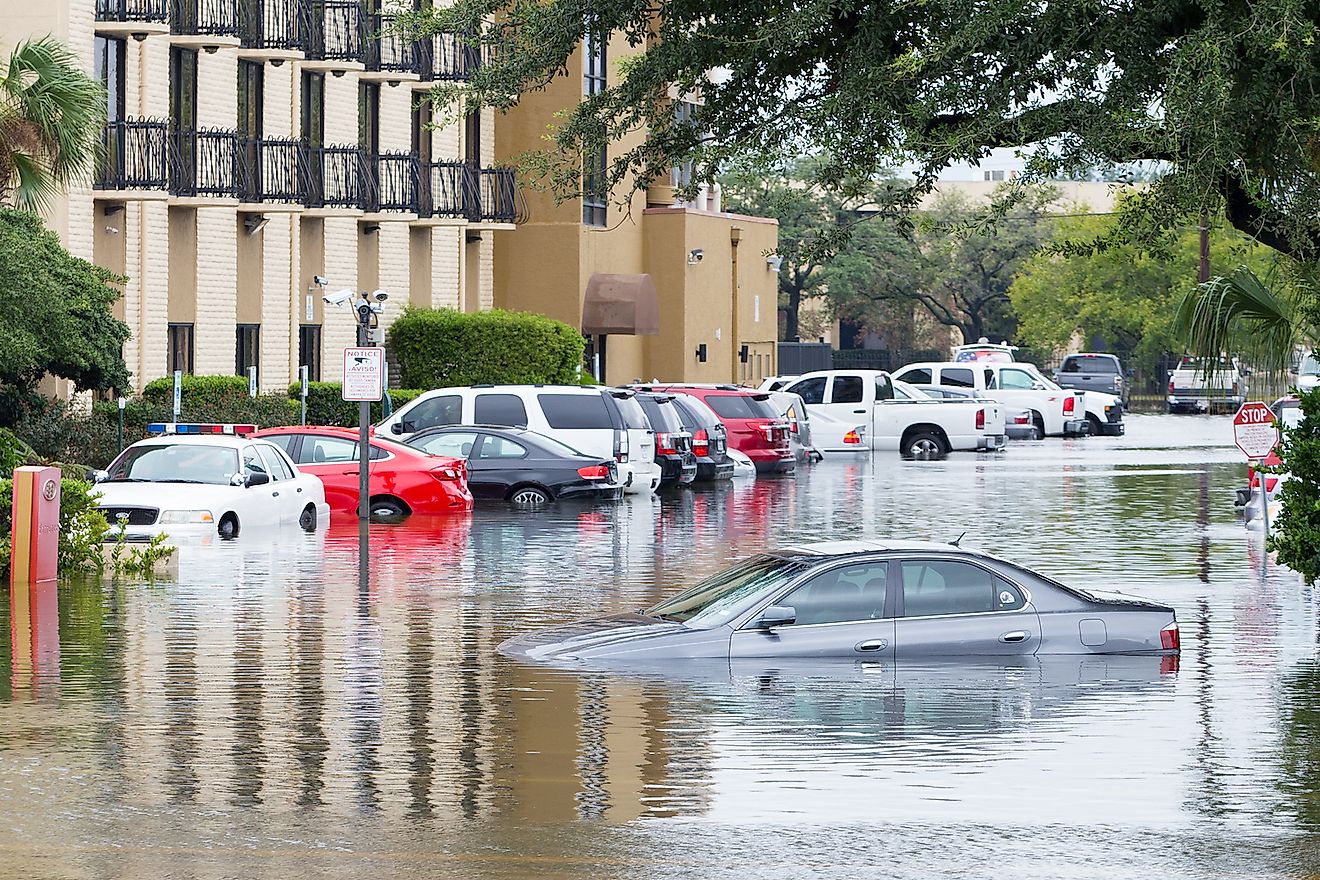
(600,421)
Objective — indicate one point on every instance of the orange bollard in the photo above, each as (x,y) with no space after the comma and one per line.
(36,525)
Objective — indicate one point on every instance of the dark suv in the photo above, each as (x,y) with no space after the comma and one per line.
(710,440)
(673,442)
(1092,372)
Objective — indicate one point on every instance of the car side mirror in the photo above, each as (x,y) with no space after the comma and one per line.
(257,478)
(99,476)
(776,615)
(1130,373)
(1038,386)
(397,428)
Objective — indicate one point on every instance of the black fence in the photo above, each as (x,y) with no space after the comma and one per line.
(334,30)
(498,199)
(206,162)
(274,170)
(796,358)
(133,10)
(389,50)
(442,190)
(397,178)
(338,178)
(210,18)
(270,24)
(135,155)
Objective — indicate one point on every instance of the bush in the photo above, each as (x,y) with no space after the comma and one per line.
(198,393)
(325,406)
(82,526)
(437,348)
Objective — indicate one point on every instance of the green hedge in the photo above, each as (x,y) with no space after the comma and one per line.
(326,407)
(437,348)
(198,393)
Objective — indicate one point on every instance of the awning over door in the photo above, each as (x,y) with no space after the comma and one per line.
(621,305)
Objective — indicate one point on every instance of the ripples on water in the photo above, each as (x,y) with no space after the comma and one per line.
(263,715)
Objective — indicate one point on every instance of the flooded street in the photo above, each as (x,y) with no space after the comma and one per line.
(262,716)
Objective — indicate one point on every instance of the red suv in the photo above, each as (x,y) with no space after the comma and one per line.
(755,427)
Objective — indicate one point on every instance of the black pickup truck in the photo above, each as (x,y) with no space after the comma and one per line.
(1092,372)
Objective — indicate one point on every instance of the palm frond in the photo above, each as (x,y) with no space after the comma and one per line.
(1240,314)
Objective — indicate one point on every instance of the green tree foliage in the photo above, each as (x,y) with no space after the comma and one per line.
(441,347)
(1296,537)
(326,405)
(1221,94)
(1125,295)
(51,119)
(55,316)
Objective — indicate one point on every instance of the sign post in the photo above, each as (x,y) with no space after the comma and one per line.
(1256,434)
(178,393)
(302,377)
(364,382)
(252,382)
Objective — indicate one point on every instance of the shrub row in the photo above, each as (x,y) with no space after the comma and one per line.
(437,348)
(326,407)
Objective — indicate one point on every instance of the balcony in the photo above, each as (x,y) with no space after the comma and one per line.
(498,201)
(270,30)
(137,18)
(337,179)
(442,192)
(136,157)
(275,174)
(334,36)
(390,56)
(394,195)
(207,23)
(206,164)
(447,58)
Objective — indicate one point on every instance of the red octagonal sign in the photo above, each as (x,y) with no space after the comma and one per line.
(1254,430)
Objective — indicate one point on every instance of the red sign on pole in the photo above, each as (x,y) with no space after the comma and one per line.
(1254,430)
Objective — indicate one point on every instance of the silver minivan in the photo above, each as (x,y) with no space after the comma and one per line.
(601,421)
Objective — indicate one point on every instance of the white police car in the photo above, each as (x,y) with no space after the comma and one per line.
(195,479)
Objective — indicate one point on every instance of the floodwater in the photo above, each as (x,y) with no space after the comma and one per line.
(263,716)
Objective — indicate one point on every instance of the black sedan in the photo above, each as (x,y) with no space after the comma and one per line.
(521,466)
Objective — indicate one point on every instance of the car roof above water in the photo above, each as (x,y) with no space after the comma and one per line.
(846,548)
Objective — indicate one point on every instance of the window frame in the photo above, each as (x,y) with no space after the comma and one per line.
(897,585)
(888,608)
(309,343)
(251,347)
(595,166)
(173,331)
(504,396)
(109,61)
(944,377)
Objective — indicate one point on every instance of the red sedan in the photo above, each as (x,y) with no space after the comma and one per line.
(404,480)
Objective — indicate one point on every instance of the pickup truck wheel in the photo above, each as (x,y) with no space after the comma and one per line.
(925,445)
(1095,425)
(1039,422)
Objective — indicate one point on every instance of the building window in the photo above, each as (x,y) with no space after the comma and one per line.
(421,130)
(179,348)
(313,108)
(595,163)
(309,350)
(684,111)
(369,117)
(593,65)
(247,348)
(109,64)
(994,175)
(250,98)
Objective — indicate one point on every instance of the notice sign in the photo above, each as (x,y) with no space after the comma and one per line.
(364,373)
(1254,431)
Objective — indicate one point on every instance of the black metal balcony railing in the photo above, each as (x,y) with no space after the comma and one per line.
(274,170)
(133,10)
(136,155)
(333,30)
(498,199)
(207,162)
(388,50)
(337,178)
(447,57)
(397,182)
(204,18)
(271,24)
(443,191)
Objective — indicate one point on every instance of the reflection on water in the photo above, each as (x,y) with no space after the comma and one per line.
(267,713)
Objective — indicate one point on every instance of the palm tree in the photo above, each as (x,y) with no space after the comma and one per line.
(1240,313)
(51,118)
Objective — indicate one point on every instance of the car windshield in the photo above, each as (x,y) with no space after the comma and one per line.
(904,391)
(1310,366)
(634,417)
(176,463)
(719,599)
(661,412)
(1085,363)
(1204,364)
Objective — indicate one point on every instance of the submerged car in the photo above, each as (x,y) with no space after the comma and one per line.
(866,599)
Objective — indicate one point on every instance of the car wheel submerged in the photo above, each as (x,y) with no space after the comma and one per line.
(529,496)
(924,446)
(307,519)
(1038,421)
(387,508)
(1095,425)
(228,526)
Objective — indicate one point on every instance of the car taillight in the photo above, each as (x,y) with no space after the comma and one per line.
(1022,419)
(1069,404)
(1235,388)
(664,444)
(621,457)
(594,472)
(793,426)
(980,419)
(1170,640)
(701,442)
(852,438)
(1118,382)
(449,473)
(1170,386)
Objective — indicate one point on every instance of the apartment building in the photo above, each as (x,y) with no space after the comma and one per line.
(254,145)
(661,288)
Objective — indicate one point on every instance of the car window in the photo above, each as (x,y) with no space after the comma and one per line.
(917,376)
(319,449)
(500,409)
(186,462)
(252,461)
(1007,596)
(575,411)
(275,465)
(847,389)
(634,417)
(1310,366)
(741,406)
(810,390)
(855,592)
(957,377)
(283,441)
(456,444)
(1081,363)
(501,447)
(1016,380)
(884,388)
(435,412)
(904,391)
(722,597)
(662,414)
(947,588)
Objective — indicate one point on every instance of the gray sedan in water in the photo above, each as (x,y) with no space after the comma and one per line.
(867,599)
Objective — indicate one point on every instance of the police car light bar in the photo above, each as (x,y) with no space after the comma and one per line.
(194,428)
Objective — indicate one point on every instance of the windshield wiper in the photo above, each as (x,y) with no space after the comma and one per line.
(198,482)
(674,617)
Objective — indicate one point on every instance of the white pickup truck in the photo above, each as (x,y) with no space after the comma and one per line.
(897,416)
(1201,385)
(1057,413)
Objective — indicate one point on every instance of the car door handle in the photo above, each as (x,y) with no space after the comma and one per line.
(871,645)
(274,494)
(300,489)
(1017,635)
(860,411)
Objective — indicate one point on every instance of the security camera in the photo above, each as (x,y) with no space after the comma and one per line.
(320,280)
(774,261)
(696,255)
(339,298)
(379,296)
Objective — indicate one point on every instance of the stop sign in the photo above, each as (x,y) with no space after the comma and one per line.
(1254,430)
